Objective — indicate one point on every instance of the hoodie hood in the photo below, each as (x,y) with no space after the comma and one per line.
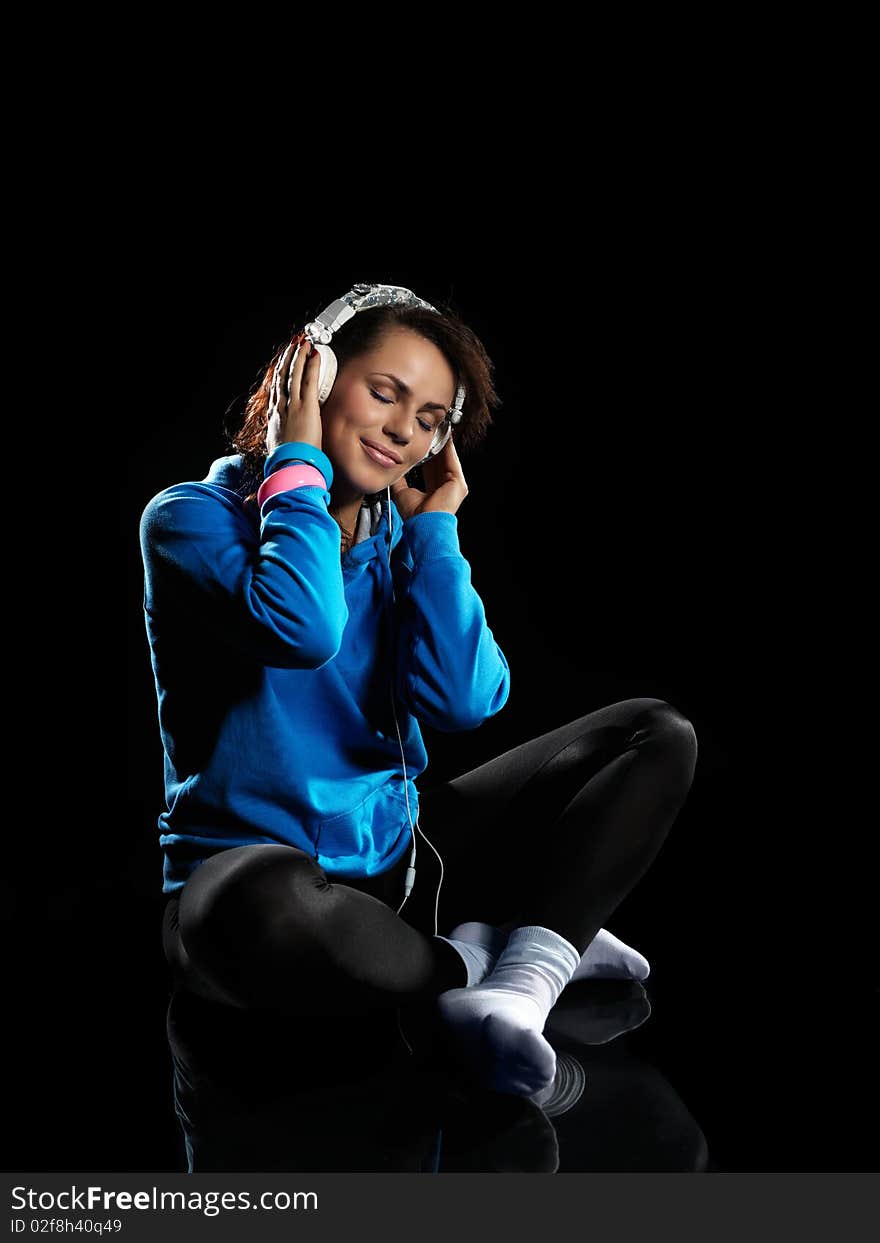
(371,532)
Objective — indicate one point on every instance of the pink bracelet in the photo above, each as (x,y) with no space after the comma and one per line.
(299,475)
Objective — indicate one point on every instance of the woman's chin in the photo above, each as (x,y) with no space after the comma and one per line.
(376,486)
(376,481)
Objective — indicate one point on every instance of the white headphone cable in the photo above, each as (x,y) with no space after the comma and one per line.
(411,870)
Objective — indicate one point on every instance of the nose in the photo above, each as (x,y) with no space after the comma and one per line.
(399,425)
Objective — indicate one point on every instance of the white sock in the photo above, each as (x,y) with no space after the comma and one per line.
(606,957)
(479,945)
(497,1024)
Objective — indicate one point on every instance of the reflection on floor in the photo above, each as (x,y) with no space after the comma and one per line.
(262,1091)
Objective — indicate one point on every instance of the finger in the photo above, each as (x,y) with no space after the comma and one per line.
(442,460)
(290,354)
(275,385)
(302,352)
(450,460)
(282,370)
(300,378)
(312,367)
(298,350)
(305,363)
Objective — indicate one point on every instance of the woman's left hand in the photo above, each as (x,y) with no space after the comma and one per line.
(444,481)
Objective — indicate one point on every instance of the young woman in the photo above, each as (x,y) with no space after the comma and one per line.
(306,610)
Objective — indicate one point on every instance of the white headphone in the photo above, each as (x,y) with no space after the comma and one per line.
(319,332)
(360,298)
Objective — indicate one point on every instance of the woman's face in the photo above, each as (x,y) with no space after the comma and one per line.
(398,416)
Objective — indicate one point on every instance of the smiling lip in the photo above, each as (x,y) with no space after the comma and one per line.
(382,456)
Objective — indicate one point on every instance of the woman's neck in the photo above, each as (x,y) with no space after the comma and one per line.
(345,507)
(346,513)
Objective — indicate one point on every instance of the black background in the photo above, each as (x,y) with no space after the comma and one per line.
(632,531)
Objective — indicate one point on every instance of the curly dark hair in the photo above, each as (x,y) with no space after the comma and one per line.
(462,349)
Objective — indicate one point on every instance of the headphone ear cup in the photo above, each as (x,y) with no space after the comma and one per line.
(328,368)
(440,438)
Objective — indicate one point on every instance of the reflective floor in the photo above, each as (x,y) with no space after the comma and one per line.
(731,1057)
(261,1092)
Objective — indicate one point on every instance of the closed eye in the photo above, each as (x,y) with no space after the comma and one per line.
(388,402)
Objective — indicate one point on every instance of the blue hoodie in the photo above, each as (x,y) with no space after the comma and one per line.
(270,655)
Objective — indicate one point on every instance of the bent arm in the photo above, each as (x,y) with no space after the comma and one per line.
(450,671)
(276,596)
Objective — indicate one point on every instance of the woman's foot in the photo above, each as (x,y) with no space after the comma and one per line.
(496,1026)
(605,958)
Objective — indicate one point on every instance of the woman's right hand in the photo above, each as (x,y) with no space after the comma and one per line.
(294,412)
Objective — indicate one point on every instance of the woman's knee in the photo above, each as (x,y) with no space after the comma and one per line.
(244,896)
(667,726)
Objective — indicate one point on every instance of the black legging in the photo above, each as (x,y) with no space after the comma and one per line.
(554,832)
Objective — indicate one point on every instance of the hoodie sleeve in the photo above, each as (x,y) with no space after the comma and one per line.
(276,596)
(451,673)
